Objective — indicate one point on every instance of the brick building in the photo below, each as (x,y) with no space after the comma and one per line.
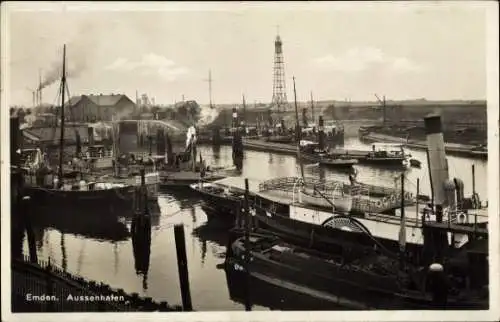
(95,108)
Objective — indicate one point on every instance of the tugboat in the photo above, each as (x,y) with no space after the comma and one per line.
(374,281)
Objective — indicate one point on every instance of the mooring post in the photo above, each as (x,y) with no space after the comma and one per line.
(418,191)
(473,179)
(248,306)
(180,247)
(402,241)
(26,209)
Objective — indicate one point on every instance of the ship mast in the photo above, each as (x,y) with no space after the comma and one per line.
(297,129)
(312,109)
(61,140)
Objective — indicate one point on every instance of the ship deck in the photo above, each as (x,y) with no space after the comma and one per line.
(285,197)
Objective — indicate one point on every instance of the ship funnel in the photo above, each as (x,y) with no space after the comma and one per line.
(321,134)
(450,193)
(438,165)
(459,188)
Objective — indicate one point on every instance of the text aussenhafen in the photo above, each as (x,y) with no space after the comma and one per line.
(95,298)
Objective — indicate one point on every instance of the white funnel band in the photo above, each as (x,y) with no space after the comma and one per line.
(438,166)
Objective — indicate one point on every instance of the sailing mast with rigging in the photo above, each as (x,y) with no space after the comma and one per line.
(61,139)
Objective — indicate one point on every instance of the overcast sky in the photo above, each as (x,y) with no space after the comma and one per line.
(402,51)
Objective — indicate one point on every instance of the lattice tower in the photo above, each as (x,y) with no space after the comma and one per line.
(279,100)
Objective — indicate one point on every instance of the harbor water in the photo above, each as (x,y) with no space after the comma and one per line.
(111,257)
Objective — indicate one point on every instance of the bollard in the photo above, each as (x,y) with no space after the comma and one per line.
(180,246)
(248,306)
(438,285)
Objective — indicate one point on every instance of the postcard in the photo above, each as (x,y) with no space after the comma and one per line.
(224,161)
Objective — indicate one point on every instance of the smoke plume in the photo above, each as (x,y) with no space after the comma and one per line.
(78,51)
(191,134)
(207,115)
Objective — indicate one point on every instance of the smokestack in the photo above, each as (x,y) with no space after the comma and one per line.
(438,165)
(321,134)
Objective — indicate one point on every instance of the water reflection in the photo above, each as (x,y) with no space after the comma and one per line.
(141,246)
(216,152)
(101,226)
(264,295)
(63,254)
(104,248)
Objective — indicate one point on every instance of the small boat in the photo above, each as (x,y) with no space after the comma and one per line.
(386,154)
(309,151)
(373,281)
(227,199)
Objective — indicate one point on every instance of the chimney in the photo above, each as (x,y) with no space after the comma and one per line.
(438,165)
(321,134)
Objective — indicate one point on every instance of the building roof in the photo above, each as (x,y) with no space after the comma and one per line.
(99,100)
(47,134)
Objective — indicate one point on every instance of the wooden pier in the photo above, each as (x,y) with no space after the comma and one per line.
(291,149)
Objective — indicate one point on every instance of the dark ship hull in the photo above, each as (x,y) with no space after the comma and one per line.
(370,283)
(120,197)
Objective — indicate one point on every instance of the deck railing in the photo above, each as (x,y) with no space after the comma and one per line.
(365,197)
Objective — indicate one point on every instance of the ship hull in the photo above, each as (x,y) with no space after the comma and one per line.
(339,283)
(315,232)
(118,197)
